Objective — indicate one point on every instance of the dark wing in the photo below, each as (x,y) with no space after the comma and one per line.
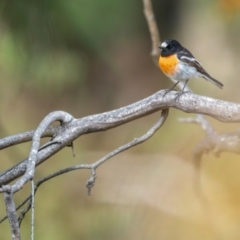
(189,59)
(186,57)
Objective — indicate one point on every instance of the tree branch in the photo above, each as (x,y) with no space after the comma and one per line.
(92,167)
(153,29)
(61,116)
(72,128)
(26,137)
(214,141)
(135,142)
(191,103)
(11,213)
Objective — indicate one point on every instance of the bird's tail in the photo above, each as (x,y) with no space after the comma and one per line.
(212,80)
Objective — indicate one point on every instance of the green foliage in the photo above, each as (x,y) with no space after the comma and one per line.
(46,42)
(67,21)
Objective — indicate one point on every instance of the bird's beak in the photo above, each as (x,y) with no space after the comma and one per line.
(160,47)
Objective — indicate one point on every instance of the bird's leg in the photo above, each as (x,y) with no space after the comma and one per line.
(170,89)
(182,92)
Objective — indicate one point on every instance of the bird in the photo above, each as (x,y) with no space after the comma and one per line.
(178,63)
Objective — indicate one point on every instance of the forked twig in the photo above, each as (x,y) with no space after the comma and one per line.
(94,166)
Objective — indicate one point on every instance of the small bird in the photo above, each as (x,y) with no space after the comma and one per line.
(180,65)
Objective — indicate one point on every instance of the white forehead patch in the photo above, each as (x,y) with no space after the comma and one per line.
(164,45)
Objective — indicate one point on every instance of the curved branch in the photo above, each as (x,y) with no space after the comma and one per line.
(135,142)
(93,166)
(191,103)
(61,116)
(214,141)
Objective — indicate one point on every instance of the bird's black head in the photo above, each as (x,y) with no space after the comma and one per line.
(170,47)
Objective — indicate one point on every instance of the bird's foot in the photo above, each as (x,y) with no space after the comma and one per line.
(179,94)
(167,91)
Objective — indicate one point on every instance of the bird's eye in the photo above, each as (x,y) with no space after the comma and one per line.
(169,47)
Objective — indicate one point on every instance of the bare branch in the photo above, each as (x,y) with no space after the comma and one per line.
(26,137)
(191,103)
(214,141)
(199,119)
(61,116)
(135,142)
(24,211)
(72,128)
(11,212)
(33,208)
(91,181)
(153,29)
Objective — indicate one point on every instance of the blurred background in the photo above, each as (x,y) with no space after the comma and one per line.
(87,57)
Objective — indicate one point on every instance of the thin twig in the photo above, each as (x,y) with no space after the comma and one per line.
(153,29)
(136,141)
(133,143)
(94,166)
(32,207)
(24,211)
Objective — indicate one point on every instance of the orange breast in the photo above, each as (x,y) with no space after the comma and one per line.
(168,64)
